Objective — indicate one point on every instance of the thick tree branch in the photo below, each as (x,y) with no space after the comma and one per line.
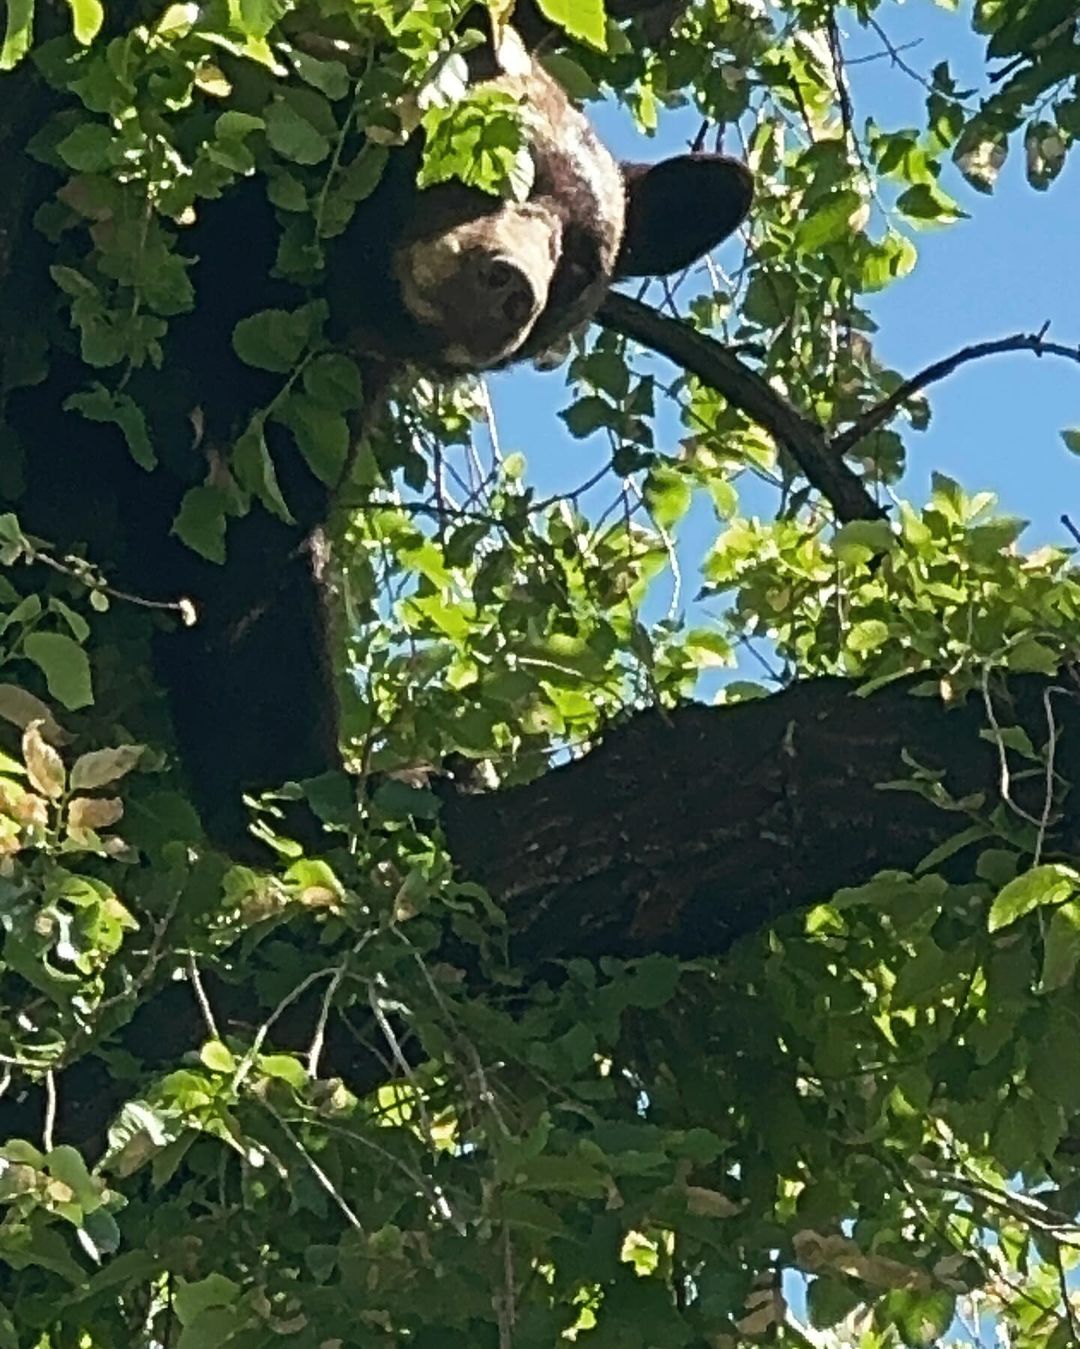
(714,365)
(821,458)
(679,834)
(874,417)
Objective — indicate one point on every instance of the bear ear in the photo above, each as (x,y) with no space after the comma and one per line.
(679,209)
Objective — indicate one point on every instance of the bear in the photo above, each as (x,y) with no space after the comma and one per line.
(446,280)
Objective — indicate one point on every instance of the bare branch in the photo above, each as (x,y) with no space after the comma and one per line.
(49,1127)
(745,389)
(874,417)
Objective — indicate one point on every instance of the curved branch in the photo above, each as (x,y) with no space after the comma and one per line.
(874,417)
(745,389)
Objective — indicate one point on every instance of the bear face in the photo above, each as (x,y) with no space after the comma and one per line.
(468,282)
(556,251)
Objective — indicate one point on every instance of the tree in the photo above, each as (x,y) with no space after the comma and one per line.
(749,1021)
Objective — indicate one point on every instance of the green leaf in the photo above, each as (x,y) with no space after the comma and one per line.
(254,469)
(574,1175)
(86,17)
(284,1067)
(18,32)
(860,540)
(654,982)
(527,1212)
(287,191)
(329,77)
(80,628)
(1072,440)
(217,1057)
(973,834)
(293,136)
(1050,884)
(360,178)
(699,1145)
(65,666)
(90,148)
(668,494)
(45,1248)
(200,522)
(928,204)
(67,1164)
(882,263)
(577,82)
(213,1328)
(828,223)
(273,339)
(99,1234)
(1054,1059)
(921,1317)
(334,381)
(1012,737)
(257,17)
(582,19)
(980,153)
(99,404)
(101,766)
(708,649)
(1045,146)
(20,707)
(922,978)
(867,636)
(829,1300)
(479,139)
(1061,946)
(589,414)
(235,125)
(190,1300)
(322,435)
(1032,656)
(401,801)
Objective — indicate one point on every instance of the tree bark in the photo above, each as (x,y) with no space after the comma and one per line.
(679,833)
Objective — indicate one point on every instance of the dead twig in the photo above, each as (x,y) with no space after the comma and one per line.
(881,412)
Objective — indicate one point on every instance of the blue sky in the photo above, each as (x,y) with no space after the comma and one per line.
(1010,267)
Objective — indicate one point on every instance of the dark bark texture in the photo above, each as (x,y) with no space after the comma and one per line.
(679,833)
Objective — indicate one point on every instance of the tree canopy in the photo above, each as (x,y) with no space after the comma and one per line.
(573,1008)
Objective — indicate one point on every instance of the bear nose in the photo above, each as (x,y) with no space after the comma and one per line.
(510,290)
(500,274)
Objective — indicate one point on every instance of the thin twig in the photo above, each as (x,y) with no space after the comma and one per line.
(259,1039)
(1039,44)
(398,1054)
(843,93)
(49,1127)
(1051,753)
(319,1038)
(506,1301)
(201,998)
(870,420)
(1066,1297)
(316,1170)
(870,57)
(79,573)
